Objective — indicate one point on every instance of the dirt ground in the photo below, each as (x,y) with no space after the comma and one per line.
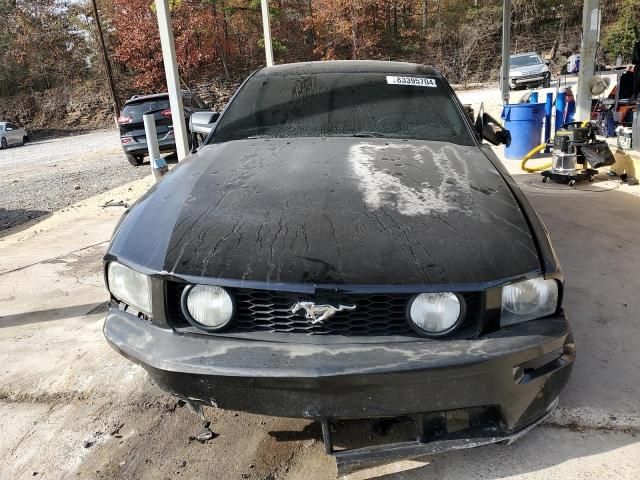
(47,175)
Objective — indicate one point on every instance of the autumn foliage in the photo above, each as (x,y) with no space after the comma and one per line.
(44,43)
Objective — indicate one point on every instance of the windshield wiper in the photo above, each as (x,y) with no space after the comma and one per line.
(258,137)
(369,135)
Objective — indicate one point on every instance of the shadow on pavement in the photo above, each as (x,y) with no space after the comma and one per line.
(14,217)
(47,133)
(61,313)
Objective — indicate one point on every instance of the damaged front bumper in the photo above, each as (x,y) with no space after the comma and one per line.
(432,437)
(506,382)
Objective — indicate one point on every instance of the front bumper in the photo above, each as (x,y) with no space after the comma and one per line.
(529,79)
(140,147)
(520,370)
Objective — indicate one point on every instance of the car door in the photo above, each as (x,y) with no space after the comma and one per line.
(20,133)
(8,133)
(13,132)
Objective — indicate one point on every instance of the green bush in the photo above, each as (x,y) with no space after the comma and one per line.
(619,38)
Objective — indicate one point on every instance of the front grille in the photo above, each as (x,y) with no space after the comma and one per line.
(270,311)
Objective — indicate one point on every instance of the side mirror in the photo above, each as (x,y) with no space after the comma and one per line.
(491,130)
(203,122)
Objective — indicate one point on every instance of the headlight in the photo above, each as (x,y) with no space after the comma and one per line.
(435,314)
(207,307)
(528,300)
(130,287)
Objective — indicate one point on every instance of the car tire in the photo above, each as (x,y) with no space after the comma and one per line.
(25,139)
(135,160)
(3,143)
(547,82)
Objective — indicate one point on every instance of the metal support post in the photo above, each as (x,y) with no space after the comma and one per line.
(266,27)
(506,50)
(590,26)
(173,79)
(158,165)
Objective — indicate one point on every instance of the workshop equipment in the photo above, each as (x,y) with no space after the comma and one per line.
(577,154)
(624,137)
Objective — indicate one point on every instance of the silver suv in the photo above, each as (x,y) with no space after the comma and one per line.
(12,134)
(528,70)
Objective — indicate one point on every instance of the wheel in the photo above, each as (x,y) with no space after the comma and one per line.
(544,179)
(135,160)
(25,139)
(3,143)
(572,183)
(592,178)
(547,82)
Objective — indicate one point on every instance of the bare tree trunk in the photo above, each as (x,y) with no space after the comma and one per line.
(395,20)
(354,33)
(226,26)
(425,10)
(312,31)
(219,46)
(388,16)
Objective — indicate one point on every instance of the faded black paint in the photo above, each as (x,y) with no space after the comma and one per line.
(354,380)
(301,210)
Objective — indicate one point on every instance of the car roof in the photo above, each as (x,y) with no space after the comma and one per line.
(526,54)
(142,98)
(349,66)
(153,96)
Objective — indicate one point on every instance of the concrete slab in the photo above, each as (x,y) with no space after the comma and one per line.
(82,225)
(595,233)
(559,455)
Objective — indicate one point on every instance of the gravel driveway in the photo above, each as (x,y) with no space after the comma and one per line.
(48,175)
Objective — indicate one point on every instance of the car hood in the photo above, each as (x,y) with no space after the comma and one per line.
(528,69)
(330,211)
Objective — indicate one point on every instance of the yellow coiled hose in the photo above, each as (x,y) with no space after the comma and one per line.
(528,156)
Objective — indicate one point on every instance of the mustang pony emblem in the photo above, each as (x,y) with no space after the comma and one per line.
(319,313)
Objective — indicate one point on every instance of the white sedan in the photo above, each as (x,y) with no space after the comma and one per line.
(12,134)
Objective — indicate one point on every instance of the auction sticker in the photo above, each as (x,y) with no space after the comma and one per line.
(412,81)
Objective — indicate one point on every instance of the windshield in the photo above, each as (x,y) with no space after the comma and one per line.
(343,104)
(525,60)
(138,109)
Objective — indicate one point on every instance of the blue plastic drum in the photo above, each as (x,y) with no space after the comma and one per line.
(524,121)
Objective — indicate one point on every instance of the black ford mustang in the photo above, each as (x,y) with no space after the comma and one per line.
(344,246)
